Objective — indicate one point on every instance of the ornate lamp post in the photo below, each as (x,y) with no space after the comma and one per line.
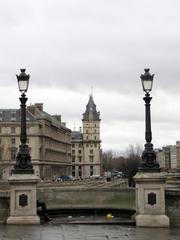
(149,163)
(150,182)
(23,160)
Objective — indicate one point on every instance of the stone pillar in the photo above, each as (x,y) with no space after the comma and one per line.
(23,202)
(150,200)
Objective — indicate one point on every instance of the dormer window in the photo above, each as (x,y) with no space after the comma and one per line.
(1,115)
(13,115)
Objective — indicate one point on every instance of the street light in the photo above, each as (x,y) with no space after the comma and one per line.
(23,159)
(23,81)
(149,162)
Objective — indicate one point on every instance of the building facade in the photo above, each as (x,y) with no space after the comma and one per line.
(178,154)
(86,144)
(169,157)
(48,138)
(160,156)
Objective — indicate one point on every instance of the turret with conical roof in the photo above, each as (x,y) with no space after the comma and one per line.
(86,145)
(91,112)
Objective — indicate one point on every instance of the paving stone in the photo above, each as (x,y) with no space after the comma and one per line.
(86,232)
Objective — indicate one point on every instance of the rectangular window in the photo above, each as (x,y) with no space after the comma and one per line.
(91,151)
(95,145)
(1,151)
(13,130)
(80,171)
(91,170)
(80,145)
(87,145)
(91,158)
(73,158)
(73,151)
(13,154)
(79,151)
(73,145)
(80,159)
(73,171)
(13,140)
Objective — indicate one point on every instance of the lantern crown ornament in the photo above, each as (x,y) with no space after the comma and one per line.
(147,80)
(23,80)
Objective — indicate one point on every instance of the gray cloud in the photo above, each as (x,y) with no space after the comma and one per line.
(72,45)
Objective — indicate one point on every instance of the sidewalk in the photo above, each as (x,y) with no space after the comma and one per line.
(91,220)
(52,231)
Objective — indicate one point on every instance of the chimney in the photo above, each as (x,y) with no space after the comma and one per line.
(58,117)
(39,106)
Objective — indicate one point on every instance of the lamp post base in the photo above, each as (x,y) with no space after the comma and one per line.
(23,202)
(23,220)
(150,200)
(147,220)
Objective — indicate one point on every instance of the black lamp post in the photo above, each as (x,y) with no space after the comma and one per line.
(149,163)
(23,160)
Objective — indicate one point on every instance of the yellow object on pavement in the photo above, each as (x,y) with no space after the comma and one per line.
(109,216)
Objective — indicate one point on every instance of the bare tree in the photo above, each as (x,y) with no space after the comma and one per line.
(107,163)
(131,163)
(112,160)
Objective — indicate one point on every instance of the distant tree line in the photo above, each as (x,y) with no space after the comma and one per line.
(127,164)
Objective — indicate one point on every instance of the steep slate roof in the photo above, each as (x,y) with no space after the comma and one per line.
(14,115)
(91,108)
(76,136)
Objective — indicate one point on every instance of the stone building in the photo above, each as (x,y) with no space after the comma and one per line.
(178,154)
(49,141)
(173,156)
(169,157)
(160,156)
(86,144)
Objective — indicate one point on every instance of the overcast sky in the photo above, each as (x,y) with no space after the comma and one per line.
(69,46)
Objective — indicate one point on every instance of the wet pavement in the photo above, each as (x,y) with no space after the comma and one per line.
(86,232)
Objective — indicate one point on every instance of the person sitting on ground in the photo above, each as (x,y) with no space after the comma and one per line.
(44,210)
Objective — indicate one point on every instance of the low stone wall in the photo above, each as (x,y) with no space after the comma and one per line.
(88,198)
(66,197)
(172,198)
